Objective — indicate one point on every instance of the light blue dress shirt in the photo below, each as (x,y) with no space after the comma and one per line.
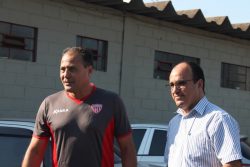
(207,137)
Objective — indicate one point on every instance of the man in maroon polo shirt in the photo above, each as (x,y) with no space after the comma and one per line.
(81,120)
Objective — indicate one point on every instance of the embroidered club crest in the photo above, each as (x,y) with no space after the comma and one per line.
(96,108)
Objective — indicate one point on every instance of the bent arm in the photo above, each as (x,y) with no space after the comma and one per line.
(128,153)
(236,163)
(35,152)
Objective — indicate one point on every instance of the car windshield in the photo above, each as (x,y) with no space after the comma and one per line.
(12,150)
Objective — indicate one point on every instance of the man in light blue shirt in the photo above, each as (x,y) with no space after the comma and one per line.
(201,134)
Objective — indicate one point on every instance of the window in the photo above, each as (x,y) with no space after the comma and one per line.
(99,50)
(13,149)
(17,42)
(164,62)
(14,142)
(138,135)
(158,143)
(235,76)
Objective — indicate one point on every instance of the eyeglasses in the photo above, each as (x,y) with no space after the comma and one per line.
(181,84)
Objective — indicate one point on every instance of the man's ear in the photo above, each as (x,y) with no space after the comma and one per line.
(200,83)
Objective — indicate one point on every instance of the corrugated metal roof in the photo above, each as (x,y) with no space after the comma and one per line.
(193,18)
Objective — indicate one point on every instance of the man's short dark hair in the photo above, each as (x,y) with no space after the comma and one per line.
(86,54)
(197,72)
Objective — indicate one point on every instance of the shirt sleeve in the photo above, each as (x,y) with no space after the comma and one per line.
(122,125)
(226,139)
(41,128)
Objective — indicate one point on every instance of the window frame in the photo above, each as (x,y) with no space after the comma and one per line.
(170,59)
(103,57)
(229,70)
(9,39)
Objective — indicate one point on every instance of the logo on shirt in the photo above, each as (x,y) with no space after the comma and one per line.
(96,108)
(60,110)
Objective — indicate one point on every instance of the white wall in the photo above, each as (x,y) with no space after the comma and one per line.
(23,85)
(148,99)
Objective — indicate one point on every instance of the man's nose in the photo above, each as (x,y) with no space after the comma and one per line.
(67,73)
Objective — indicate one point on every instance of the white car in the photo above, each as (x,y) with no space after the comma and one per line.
(150,141)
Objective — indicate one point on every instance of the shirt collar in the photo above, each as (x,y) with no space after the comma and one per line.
(199,107)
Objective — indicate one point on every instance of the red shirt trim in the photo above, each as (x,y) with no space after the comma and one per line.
(107,145)
(54,148)
(80,101)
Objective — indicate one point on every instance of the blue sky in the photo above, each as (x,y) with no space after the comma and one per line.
(237,11)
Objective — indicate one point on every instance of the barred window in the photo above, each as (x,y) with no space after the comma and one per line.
(18,42)
(235,76)
(164,62)
(99,49)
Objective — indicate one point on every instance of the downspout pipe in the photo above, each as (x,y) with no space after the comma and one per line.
(122,51)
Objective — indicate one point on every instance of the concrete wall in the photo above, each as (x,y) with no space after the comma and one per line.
(132,41)
(25,84)
(148,99)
